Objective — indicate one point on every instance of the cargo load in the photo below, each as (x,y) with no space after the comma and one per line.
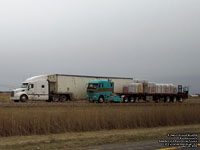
(133,88)
(165,89)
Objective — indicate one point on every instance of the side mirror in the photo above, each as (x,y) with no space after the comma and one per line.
(29,87)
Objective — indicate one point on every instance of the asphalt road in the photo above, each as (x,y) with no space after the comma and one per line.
(147,145)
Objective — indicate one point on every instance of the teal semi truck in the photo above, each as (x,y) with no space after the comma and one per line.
(101,91)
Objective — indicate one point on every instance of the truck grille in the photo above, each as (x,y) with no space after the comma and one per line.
(12,93)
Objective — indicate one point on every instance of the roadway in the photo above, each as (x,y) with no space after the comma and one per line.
(145,145)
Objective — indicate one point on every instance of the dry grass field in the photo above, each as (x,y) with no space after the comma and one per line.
(4,97)
(60,119)
(192,100)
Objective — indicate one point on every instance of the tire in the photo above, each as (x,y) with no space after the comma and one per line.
(16,101)
(68,98)
(157,100)
(167,100)
(180,100)
(174,100)
(132,99)
(63,98)
(55,99)
(125,99)
(101,99)
(24,98)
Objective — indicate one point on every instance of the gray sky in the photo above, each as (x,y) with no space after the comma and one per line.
(157,40)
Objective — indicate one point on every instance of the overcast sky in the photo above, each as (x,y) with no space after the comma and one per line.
(157,40)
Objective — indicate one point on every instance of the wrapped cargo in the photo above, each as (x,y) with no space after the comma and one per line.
(144,84)
(159,88)
(125,89)
(165,89)
(173,89)
(151,88)
(133,88)
(140,81)
(140,88)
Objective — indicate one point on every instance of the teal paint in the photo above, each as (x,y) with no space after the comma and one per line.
(101,89)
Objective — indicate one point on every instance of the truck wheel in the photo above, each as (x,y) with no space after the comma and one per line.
(63,98)
(101,99)
(23,98)
(125,99)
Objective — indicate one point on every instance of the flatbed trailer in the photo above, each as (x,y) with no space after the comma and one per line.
(166,97)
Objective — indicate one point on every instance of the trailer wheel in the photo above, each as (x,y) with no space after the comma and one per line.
(55,98)
(181,100)
(24,98)
(125,99)
(174,99)
(63,98)
(68,97)
(156,99)
(132,99)
(167,99)
(101,99)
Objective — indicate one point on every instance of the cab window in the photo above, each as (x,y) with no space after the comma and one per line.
(93,86)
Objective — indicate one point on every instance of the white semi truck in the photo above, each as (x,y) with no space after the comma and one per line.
(59,87)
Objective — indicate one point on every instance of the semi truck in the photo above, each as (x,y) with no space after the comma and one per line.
(103,90)
(60,87)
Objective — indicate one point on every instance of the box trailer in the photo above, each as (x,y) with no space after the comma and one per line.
(60,87)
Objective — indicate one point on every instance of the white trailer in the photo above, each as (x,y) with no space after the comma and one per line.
(59,87)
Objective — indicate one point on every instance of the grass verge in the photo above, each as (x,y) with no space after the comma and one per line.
(77,140)
(61,119)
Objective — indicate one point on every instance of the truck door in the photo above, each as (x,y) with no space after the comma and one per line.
(43,90)
(32,91)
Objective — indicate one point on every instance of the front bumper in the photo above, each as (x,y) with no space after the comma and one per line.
(14,98)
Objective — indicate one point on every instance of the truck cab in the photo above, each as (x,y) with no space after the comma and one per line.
(101,91)
(35,88)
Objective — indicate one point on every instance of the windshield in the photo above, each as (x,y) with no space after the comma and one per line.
(92,86)
(24,85)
